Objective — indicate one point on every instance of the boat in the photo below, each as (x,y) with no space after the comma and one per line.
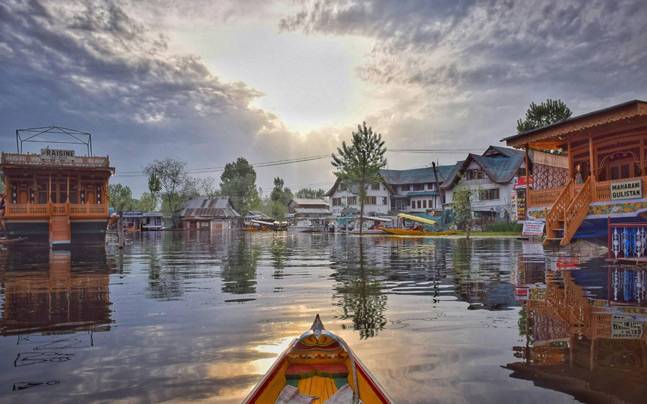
(418,229)
(372,225)
(318,367)
(264,225)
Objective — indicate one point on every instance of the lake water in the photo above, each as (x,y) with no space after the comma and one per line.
(200,316)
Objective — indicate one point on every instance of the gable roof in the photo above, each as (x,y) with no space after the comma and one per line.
(499,163)
(392,178)
(203,206)
(309,202)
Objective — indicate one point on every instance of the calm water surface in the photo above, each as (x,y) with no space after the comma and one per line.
(199,316)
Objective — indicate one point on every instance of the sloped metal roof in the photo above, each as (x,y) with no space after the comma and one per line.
(205,207)
(499,163)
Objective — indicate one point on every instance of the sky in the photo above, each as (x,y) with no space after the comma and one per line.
(208,81)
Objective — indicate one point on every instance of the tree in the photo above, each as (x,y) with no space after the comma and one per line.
(121,197)
(147,202)
(360,162)
(280,198)
(544,114)
(462,209)
(174,184)
(310,193)
(238,182)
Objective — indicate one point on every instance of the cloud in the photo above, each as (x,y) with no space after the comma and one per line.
(92,65)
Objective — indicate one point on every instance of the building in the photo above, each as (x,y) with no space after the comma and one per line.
(55,195)
(491,177)
(307,214)
(415,190)
(134,221)
(603,176)
(204,213)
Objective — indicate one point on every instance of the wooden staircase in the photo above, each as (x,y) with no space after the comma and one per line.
(568,212)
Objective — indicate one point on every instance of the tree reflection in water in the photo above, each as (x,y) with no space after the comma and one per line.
(360,294)
(239,267)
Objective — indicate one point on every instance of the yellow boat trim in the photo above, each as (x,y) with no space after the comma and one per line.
(416,218)
(317,386)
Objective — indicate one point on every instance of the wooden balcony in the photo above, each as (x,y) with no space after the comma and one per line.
(601,192)
(43,211)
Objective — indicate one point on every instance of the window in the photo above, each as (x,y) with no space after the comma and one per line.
(474,175)
(375,187)
(385,200)
(352,200)
(418,187)
(424,204)
(488,194)
(430,203)
(370,200)
(419,204)
(413,204)
(336,201)
(431,186)
(406,187)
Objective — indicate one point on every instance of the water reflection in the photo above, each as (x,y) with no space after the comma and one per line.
(239,267)
(53,297)
(584,330)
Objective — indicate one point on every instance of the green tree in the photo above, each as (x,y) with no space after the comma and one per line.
(279,199)
(462,209)
(360,162)
(121,197)
(238,182)
(147,202)
(544,114)
(310,193)
(175,185)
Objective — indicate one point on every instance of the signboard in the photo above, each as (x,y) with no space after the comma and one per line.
(533,228)
(626,327)
(56,154)
(626,189)
(521,293)
(537,292)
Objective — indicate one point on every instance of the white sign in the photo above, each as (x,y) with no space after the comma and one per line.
(626,190)
(533,228)
(625,327)
(56,154)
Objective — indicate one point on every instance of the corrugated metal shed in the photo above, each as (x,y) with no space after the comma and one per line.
(205,207)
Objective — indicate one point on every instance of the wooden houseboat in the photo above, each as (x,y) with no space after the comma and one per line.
(55,195)
(603,174)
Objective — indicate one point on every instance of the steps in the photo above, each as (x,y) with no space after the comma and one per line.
(60,231)
(568,212)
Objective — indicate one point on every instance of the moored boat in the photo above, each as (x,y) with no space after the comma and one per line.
(318,367)
(420,227)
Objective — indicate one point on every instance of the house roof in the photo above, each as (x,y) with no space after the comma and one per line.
(202,206)
(614,113)
(412,176)
(499,163)
(305,202)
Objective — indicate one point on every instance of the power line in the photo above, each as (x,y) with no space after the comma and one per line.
(207,170)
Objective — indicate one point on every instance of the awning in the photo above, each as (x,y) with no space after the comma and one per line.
(416,218)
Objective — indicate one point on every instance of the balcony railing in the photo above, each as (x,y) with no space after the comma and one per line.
(601,192)
(37,210)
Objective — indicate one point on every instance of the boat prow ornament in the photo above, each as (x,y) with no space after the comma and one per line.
(317,326)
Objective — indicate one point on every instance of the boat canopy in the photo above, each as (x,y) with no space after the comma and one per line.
(415,218)
(263,222)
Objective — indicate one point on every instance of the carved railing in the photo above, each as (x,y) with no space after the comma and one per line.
(576,212)
(556,212)
(41,210)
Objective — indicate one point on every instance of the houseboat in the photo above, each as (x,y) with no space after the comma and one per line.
(55,195)
(587,170)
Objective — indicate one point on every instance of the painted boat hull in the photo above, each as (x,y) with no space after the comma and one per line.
(597,228)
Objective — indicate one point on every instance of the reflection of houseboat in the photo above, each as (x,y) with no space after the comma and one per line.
(56,194)
(587,168)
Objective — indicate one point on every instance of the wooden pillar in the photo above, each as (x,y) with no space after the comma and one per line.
(571,165)
(49,190)
(67,193)
(592,158)
(643,167)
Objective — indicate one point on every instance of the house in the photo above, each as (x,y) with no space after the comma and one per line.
(209,214)
(491,177)
(414,190)
(305,208)
(603,177)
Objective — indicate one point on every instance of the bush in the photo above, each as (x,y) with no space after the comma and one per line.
(503,227)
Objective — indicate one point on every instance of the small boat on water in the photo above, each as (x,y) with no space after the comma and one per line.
(420,227)
(318,368)
(263,225)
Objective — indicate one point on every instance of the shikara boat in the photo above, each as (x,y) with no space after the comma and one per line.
(419,228)
(318,368)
